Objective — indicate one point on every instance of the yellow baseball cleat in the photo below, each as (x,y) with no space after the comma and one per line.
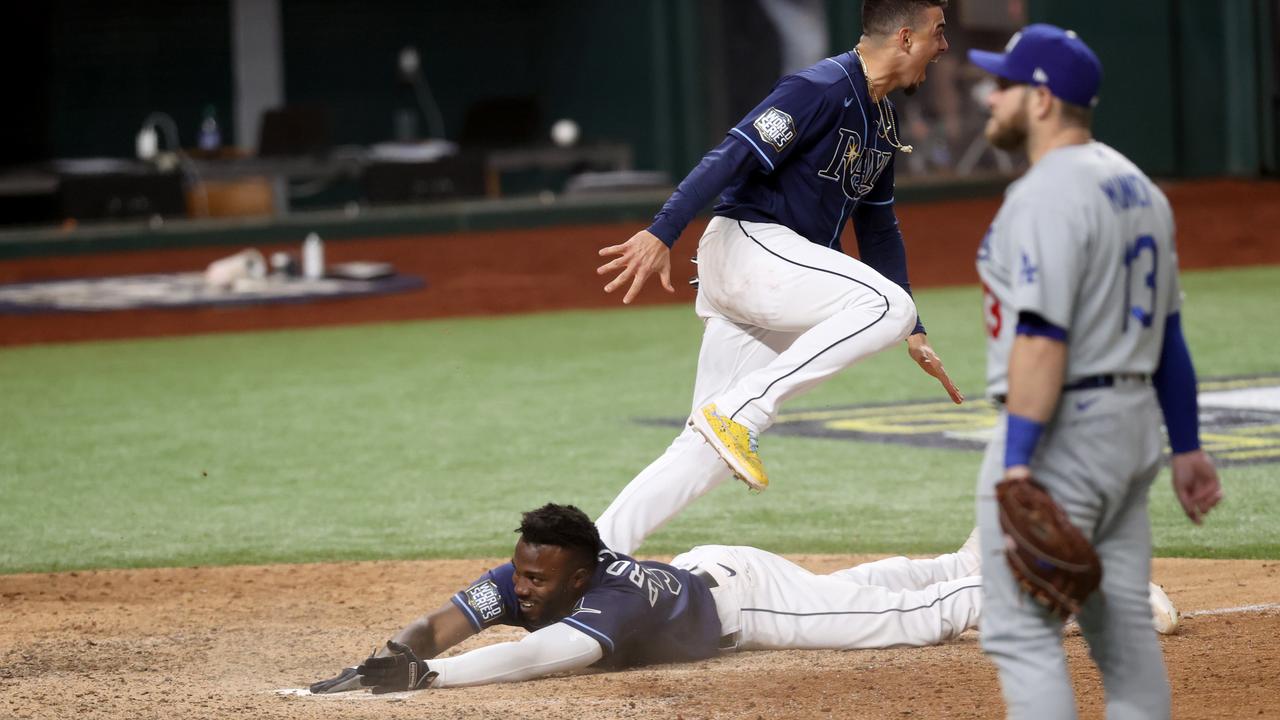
(736,445)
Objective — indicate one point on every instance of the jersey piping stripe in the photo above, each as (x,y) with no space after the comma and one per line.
(468,612)
(590,630)
(839,224)
(863,612)
(754,145)
(882,202)
(866,130)
(855,333)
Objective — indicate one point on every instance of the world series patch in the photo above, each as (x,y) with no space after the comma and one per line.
(776,128)
(484,600)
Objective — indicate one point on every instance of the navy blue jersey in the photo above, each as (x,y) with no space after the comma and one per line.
(641,612)
(818,140)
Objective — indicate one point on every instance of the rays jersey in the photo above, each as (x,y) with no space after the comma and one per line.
(817,136)
(641,612)
(1085,240)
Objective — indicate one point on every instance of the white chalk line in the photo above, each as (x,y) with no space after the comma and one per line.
(1262,607)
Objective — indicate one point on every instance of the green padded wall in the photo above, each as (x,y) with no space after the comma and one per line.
(627,70)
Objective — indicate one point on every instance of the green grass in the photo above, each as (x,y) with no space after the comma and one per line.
(427,439)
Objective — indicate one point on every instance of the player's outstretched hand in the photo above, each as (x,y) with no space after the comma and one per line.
(1196,483)
(344,681)
(637,258)
(928,360)
(401,670)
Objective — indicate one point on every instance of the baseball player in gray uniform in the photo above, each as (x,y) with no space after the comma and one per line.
(1081,298)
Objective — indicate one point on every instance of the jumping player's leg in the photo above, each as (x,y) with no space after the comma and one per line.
(783,606)
(768,276)
(689,468)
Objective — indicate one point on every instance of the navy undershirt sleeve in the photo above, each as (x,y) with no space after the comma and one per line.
(728,160)
(1034,324)
(1175,383)
(880,245)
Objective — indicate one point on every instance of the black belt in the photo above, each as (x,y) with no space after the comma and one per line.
(727,642)
(1101,381)
(1090,383)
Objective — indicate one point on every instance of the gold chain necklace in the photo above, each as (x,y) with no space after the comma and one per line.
(886,113)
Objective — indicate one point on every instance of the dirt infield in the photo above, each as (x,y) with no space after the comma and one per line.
(1221,224)
(219,642)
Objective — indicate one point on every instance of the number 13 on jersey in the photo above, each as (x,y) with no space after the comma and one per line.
(1140,301)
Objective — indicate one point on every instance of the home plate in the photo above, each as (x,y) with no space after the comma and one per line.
(292,692)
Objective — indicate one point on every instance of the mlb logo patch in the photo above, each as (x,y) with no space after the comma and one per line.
(776,128)
(483,598)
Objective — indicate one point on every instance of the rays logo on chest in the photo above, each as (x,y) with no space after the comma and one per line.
(855,166)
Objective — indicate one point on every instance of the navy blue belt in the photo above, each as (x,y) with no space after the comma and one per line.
(1092,382)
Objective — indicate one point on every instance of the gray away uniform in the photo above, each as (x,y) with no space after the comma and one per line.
(1085,240)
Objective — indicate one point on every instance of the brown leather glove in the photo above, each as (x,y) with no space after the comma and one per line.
(1050,558)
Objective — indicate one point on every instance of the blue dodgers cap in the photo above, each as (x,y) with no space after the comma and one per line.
(1047,55)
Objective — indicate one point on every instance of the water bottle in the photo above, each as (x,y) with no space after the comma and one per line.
(210,138)
(312,257)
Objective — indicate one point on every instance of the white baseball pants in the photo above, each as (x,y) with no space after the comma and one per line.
(780,315)
(770,603)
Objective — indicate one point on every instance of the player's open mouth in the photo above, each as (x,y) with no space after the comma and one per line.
(526,605)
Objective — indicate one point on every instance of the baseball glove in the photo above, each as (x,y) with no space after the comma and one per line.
(1050,558)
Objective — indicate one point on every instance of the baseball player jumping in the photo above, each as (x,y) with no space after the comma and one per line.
(587,605)
(1085,350)
(783,307)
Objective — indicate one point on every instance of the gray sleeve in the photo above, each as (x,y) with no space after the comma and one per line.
(1047,257)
